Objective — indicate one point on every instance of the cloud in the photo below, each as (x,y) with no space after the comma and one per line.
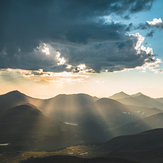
(129,27)
(109,55)
(154,24)
(41,76)
(150,34)
(155,21)
(152,66)
(62,61)
(89,58)
(53,34)
(44,49)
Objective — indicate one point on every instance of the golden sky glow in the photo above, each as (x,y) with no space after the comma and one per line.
(48,84)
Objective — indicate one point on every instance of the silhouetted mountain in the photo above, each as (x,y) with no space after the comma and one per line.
(80,118)
(91,118)
(119,95)
(146,146)
(117,114)
(11,99)
(150,101)
(141,100)
(72,109)
(113,112)
(15,98)
(148,123)
(137,94)
(61,102)
(68,108)
(26,125)
(27,119)
(108,114)
(77,109)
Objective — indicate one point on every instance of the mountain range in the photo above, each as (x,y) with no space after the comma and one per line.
(96,119)
(138,99)
(48,124)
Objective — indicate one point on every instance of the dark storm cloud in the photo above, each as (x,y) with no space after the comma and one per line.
(75,26)
(150,34)
(129,27)
(99,56)
(143,26)
(111,56)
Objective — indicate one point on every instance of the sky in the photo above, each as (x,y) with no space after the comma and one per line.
(98,47)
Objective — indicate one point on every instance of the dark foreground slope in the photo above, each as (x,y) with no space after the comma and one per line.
(146,146)
(25,127)
(72,159)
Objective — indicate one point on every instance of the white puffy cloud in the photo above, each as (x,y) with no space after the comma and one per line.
(43,48)
(140,40)
(153,25)
(61,60)
(155,21)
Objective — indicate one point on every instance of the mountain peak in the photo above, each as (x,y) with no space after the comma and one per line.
(137,94)
(119,95)
(122,92)
(14,92)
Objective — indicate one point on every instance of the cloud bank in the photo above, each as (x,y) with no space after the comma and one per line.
(61,35)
